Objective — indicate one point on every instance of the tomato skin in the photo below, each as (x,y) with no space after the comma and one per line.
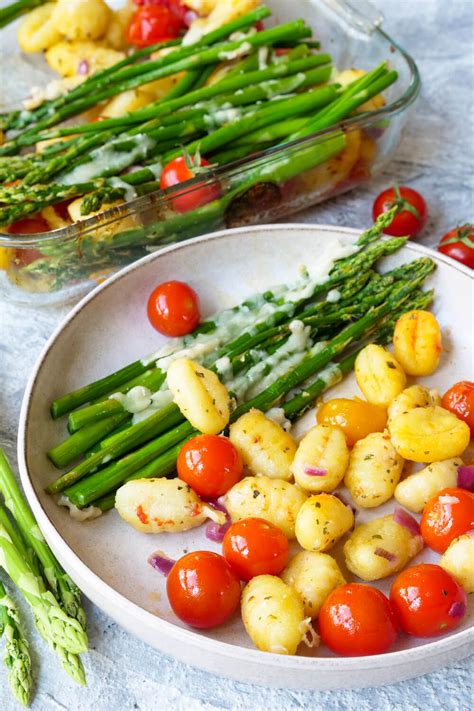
(182,12)
(176,172)
(210,464)
(254,547)
(29,226)
(356,418)
(460,401)
(459,244)
(405,223)
(203,590)
(422,597)
(173,308)
(357,620)
(151,24)
(446,516)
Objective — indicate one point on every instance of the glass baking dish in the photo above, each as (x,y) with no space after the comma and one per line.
(61,265)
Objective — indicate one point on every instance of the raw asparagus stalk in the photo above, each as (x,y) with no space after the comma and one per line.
(70,623)
(17,657)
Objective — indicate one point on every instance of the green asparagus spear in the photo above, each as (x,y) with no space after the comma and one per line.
(17,657)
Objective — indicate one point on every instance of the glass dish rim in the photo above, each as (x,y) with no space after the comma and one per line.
(154,198)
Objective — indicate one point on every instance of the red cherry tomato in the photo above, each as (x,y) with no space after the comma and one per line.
(446,516)
(151,24)
(460,401)
(203,590)
(254,546)
(427,601)
(173,308)
(178,171)
(459,244)
(210,464)
(357,620)
(412,217)
(29,226)
(181,11)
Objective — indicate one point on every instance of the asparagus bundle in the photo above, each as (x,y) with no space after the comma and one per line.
(53,597)
(367,302)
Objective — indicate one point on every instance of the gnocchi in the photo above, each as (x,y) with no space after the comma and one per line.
(322,520)
(374,470)
(380,548)
(274,500)
(37,30)
(415,491)
(429,434)
(458,560)
(273,615)
(313,575)
(411,398)
(321,459)
(163,505)
(265,447)
(379,375)
(81,19)
(127,101)
(417,342)
(200,395)
(65,57)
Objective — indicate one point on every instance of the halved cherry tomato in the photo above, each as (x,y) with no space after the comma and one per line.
(460,401)
(413,215)
(210,464)
(29,226)
(446,516)
(459,244)
(181,169)
(203,590)
(357,620)
(181,11)
(427,601)
(173,308)
(254,546)
(151,24)
(356,418)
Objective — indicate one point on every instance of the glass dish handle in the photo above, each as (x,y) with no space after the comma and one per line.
(363,15)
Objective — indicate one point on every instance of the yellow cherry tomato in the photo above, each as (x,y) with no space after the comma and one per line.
(356,418)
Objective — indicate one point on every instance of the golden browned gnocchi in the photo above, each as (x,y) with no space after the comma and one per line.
(65,57)
(37,31)
(81,19)
(264,445)
(380,548)
(374,470)
(417,342)
(411,398)
(127,101)
(322,520)
(313,575)
(429,434)
(273,615)
(416,490)
(163,505)
(458,560)
(200,395)
(275,500)
(321,459)
(379,375)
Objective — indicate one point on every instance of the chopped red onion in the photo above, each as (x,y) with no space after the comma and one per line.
(457,609)
(217,504)
(470,534)
(214,531)
(382,553)
(83,67)
(404,519)
(466,477)
(189,17)
(315,471)
(161,562)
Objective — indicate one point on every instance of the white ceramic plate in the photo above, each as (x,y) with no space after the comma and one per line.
(107,558)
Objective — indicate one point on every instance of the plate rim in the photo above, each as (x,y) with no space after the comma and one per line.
(77,568)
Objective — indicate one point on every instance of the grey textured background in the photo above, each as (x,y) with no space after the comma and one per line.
(436,157)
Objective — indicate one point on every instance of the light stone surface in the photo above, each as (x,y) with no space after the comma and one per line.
(436,157)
